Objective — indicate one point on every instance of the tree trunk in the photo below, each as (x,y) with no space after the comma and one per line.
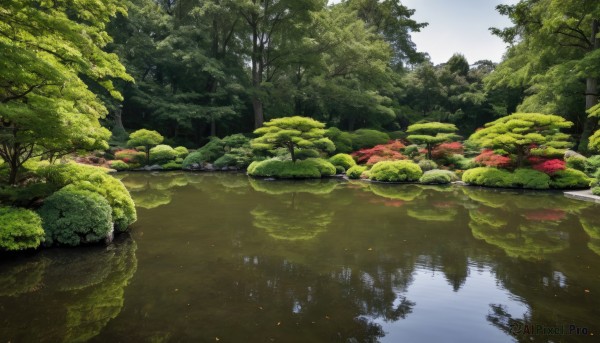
(14,170)
(257,74)
(259,117)
(291,149)
(591,96)
(213,127)
(147,155)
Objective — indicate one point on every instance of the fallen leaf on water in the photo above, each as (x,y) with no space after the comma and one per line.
(370,249)
(217,339)
(278,323)
(587,290)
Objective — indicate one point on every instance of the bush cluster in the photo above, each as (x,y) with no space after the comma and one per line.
(20,229)
(99,181)
(342,160)
(437,176)
(131,156)
(526,178)
(286,169)
(427,165)
(395,171)
(231,151)
(74,215)
(118,165)
(162,154)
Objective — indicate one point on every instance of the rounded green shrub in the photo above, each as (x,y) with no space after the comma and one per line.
(224,161)
(208,153)
(302,169)
(118,165)
(367,138)
(577,162)
(341,139)
(74,216)
(411,150)
(395,171)
(161,154)
(20,229)
(96,180)
(182,152)
(131,156)
(427,165)
(570,178)
(596,190)
(437,176)
(173,165)
(340,170)
(486,176)
(356,171)
(530,179)
(303,154)
(592,165)
(343,160)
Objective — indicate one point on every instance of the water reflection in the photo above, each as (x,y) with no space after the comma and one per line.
(238,259)
(64,295)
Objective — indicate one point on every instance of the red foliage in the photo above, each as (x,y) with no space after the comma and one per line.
(130,155)
(447,149)
(490,159)
(382,152)
(550,166)
(546,215)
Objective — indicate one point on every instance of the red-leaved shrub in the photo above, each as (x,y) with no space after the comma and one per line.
(382,152)
(447,149)
(130,156)
(550,166)
(490,159)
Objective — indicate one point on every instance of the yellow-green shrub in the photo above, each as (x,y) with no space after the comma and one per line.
(20,229)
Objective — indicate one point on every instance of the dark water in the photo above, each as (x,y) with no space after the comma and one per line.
(219,257)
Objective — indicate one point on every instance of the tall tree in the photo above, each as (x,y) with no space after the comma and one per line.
(272,24)
(555,55)
(47,50)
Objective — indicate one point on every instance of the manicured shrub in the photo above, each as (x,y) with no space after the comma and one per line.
(182,151)
(549,167)
(592,164)
(303,154)
(395,171)
(146,139)
(367,138)
(577,162)
(427,165)
(173,165)
(73,216)
(161,154)
(382,152)
(301,169)
(437,176)
(239,158)
(531,179)
(343,160)
(412,150)
(446,150)
(234,141)
(570,178)
(130,156)
(489,158)
(20,229)
(208,153)
(96,180)
(490,177)
(118,165)
(596,190)
(356,171)
(341,139)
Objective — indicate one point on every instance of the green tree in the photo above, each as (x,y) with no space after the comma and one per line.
(292,133)
(519,133)
(47,51)
(431,134)
(554,57)
(145,138)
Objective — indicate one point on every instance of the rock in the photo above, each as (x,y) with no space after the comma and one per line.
(208,167)
(153,168)
(110,236)
(571,153)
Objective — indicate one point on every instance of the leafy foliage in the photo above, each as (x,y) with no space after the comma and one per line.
(437,176)
(20,229)
(395,171)
(118,165)
(431,134)
(302,169)
(343,160)
(570,178)
(356,171)
(74,216)
(292,133)
(381,152)
(131,156)
(145,138)
(519,133)
(489,158)
(162,154)
(427,165)
(550,167)
(490,177)
(367,138)
(96,180)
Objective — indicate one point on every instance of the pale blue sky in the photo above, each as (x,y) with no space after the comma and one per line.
(459,26)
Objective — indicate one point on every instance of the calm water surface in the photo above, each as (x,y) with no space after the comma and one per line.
(220,257)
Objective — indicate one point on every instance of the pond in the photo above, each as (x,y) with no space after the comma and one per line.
(221,257)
